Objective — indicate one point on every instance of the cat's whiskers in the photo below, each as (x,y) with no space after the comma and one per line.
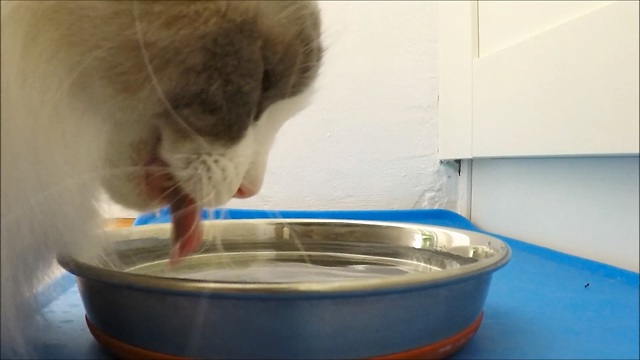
(108,260)
(77,71)
(168,191)
(293,235)
(292,232)
(155,171)
(204,244)
(199,206)
(218,236)
(197,325)
(185,156)
(187,209)
(44,195)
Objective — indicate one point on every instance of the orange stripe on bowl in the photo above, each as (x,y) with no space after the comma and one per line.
(440,350)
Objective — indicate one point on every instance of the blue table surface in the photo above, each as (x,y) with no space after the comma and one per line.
(539,305)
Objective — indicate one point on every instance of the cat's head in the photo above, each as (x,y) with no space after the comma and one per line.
(200,90)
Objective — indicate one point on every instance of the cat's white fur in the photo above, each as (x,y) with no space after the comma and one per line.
(53,151)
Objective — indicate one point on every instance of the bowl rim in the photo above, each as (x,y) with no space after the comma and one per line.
(83,269)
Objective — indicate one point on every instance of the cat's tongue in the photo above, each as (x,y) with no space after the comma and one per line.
(187,231)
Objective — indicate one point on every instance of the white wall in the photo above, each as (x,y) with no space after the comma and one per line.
(584,206)
(369,139)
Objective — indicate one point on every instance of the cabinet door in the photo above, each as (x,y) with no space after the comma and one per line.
(539,78)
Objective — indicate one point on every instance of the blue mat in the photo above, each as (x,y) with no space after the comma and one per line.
(542,305)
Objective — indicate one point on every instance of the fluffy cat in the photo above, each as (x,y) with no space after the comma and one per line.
(158,102)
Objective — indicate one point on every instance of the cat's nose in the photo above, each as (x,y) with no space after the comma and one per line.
(244,192)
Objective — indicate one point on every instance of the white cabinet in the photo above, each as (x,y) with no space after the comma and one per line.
(538,78)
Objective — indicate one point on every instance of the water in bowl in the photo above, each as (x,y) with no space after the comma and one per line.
(282,267)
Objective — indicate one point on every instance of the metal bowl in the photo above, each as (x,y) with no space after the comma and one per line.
(288,289)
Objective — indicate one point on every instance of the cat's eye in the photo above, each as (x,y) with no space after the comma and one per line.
(258,114)
(267,81)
